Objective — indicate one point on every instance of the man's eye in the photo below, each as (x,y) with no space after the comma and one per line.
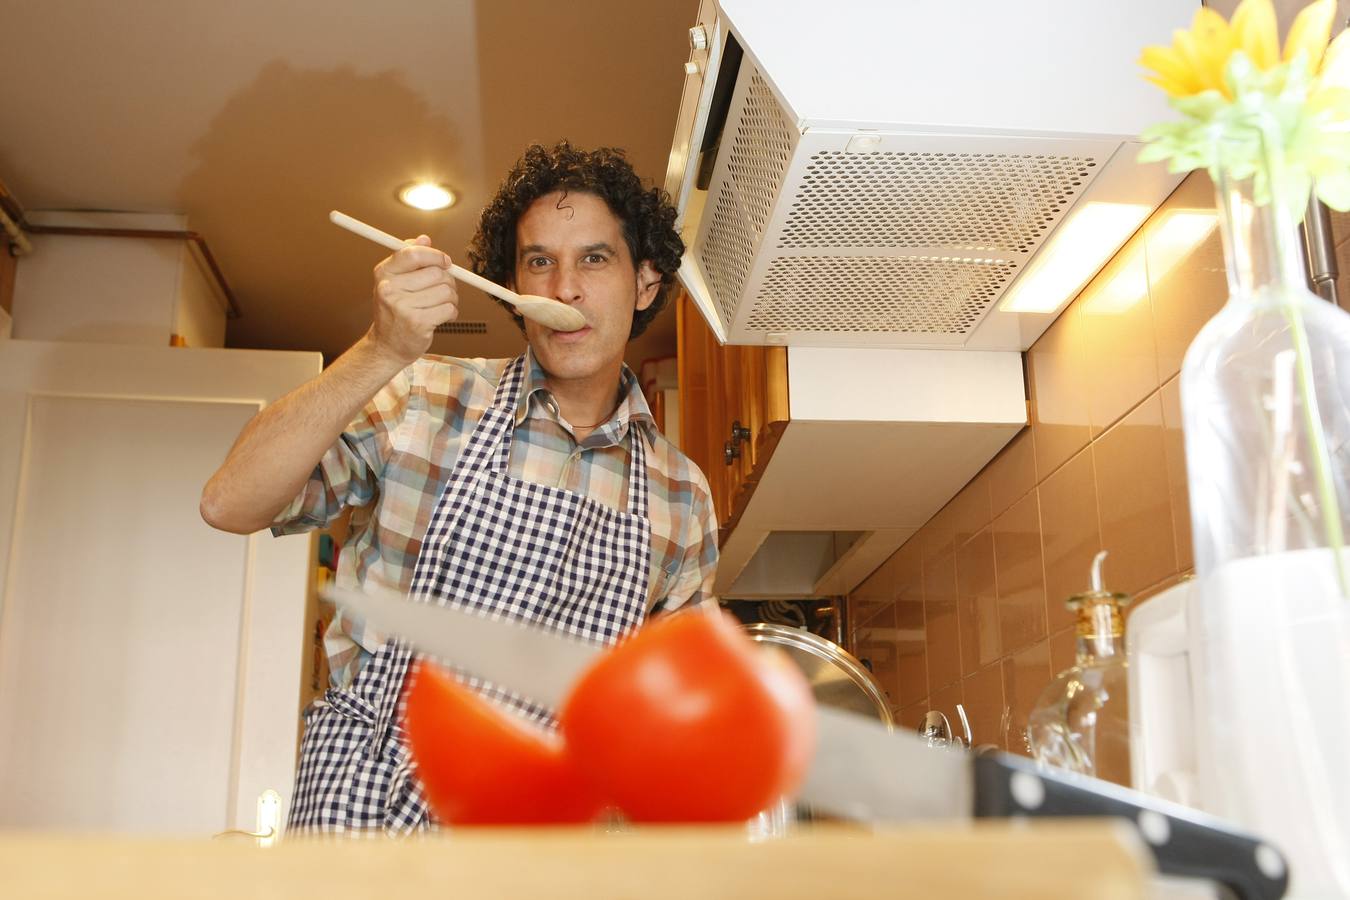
(595,258)
(537,261)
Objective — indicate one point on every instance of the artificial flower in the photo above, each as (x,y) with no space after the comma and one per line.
(1241,98)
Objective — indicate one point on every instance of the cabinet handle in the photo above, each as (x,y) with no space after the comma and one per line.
(731,451)
(739,432)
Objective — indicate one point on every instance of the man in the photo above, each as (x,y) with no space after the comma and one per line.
(536,488)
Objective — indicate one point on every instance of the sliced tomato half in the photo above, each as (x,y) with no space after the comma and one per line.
(482,765)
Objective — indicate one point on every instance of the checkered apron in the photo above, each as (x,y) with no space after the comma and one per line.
(508,549)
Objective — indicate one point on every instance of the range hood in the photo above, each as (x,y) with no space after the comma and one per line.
(881,173)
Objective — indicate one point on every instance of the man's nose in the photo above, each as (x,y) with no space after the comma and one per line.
(566,284)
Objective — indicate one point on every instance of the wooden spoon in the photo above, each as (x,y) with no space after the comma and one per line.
(549,313)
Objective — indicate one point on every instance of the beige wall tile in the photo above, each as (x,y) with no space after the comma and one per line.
(1121,363)
(875,644)
(945,702)
(1020,575)
(938,534)
(1063,649)
(1060,420)
(977,603)
(1012,473)
(911,717)
(876,592)
(970,509)
(908,567)
(1340,225)
(1135,505)
(940,622)
(1186,287)
(1025,676)
(911,648)
(984,703)
(1174,444)
(1070,534)
(1340,229)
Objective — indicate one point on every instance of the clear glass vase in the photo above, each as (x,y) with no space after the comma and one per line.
(1264,392)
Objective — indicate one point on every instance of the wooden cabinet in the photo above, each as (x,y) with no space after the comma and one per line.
(734,407)
(817,481)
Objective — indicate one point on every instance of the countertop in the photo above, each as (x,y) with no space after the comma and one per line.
(1079,859)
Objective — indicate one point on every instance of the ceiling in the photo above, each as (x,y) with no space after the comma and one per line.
(255,118)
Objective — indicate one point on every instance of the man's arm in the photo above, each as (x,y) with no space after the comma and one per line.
(279,448)
(692,584)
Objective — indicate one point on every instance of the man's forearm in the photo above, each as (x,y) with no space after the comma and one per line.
(279,448)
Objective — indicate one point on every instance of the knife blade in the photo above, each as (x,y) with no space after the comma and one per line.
(862,770)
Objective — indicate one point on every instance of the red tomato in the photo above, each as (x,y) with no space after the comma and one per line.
(482,765)
(690,721)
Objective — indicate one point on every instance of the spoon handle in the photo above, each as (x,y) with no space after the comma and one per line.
(356,226)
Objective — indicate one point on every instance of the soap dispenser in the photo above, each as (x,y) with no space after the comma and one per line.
(1081,721)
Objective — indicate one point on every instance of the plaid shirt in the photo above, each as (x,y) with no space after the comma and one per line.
(393,461)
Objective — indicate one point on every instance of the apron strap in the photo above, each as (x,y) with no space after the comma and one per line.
(504,408)
(637,471)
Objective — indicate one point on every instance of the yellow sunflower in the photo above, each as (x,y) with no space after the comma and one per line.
(1196,60)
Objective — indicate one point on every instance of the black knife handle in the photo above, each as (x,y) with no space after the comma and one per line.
(1185,843)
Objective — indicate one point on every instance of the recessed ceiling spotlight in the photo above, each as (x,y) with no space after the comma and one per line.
(426,195)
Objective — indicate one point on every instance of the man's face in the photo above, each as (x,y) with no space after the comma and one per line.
(571,248)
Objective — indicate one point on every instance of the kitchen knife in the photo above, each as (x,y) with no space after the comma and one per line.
(861,769)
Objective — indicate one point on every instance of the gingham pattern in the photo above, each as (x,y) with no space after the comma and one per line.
(394,460)
(504,547)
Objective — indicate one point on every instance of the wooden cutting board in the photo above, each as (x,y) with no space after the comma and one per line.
(1079,860)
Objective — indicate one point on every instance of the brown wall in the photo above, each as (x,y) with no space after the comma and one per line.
(971,609)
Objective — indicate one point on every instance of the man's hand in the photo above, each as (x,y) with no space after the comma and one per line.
(414,292)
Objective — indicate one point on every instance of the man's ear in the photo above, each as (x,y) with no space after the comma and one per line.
(648,284)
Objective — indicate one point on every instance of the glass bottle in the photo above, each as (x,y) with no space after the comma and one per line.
(1081,721)
(1264,391)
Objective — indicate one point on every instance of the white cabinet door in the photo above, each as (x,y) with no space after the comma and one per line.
(149,665)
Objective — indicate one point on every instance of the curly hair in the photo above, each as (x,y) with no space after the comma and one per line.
(646,214)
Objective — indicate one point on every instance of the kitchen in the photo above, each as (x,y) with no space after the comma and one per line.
(954,592)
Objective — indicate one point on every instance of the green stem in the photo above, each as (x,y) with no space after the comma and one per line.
(1273,150)
(1321,456)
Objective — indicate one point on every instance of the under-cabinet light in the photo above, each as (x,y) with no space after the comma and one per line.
(1078,249)
(1171,238)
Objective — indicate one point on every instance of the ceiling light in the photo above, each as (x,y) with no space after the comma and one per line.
(426,195)
(1077,251)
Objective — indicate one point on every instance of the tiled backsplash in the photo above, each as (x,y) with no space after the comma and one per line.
(971,609)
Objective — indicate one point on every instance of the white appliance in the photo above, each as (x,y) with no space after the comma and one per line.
(881,173)
(1238,706)
(1162,740)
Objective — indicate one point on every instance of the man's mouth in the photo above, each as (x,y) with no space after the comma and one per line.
(572,335)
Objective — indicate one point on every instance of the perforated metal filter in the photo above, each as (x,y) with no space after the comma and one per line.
(978,201)
(810,236)
(756,160)
(862,294)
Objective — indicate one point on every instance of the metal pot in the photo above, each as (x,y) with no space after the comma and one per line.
(838,680)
